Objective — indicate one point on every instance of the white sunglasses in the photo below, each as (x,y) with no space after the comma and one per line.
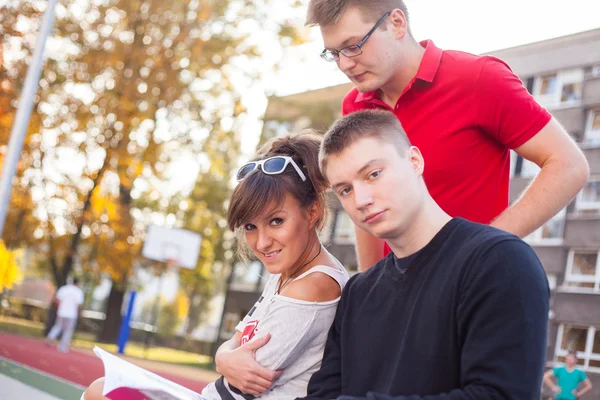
(270,166)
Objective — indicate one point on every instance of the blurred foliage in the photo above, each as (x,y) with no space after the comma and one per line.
(129,88)
(10,274)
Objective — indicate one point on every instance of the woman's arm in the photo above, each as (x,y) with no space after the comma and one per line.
(238,365)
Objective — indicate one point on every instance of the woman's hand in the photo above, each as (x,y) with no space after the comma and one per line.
(241,370)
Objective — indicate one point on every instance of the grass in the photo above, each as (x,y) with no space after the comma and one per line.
(137,350)
(21,327)
(32,329)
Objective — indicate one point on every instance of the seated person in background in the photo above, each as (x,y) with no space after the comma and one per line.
(458,310)
(278,207)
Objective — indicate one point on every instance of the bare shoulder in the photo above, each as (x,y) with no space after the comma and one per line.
(317,287)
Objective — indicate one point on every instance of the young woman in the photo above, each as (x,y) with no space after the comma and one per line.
(278,208)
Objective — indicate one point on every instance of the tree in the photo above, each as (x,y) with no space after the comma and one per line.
(17,34)
(207,215)
(129,85)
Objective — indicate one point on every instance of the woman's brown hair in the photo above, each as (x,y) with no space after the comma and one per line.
(258,191)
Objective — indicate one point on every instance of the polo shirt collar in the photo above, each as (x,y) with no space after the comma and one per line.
(430,62)
(427,69)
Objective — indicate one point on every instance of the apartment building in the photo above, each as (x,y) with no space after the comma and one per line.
(564,75)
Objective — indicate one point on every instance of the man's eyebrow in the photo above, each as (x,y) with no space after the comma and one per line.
(338,185)
(368,165)
(359,172)
(348,42)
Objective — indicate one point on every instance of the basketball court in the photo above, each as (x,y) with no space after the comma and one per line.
(31,370)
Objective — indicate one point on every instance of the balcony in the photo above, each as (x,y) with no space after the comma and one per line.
(591,92)
(572,119)
(553,258)
(593,156)
(582,231)
(576,308)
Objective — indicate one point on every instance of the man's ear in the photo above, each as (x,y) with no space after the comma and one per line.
(398,24)
(416,159)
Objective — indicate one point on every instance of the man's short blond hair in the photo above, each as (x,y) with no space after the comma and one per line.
(375,124)
(325,12)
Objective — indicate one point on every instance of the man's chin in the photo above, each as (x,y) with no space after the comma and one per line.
(366,85)
(379,233)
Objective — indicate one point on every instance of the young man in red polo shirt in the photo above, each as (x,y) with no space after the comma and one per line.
(464,112)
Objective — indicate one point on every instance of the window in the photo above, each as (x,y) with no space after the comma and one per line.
(583,271)
(592,130)
(561,88)
(584,340)
(548,84)
(551,232)
(571,92)
(596,71)
(551,281)
(344,229)
(589,197)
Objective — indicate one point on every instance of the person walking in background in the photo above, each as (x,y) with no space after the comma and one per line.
(70,300)
(569,377)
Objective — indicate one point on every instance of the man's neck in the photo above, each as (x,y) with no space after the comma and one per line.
(428,223)
(411,61)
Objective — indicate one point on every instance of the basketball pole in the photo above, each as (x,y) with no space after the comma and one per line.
(21,122)
(154,316)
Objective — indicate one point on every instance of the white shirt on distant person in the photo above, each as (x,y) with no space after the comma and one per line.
(70,297)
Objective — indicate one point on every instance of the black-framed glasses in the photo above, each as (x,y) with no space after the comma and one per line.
(353,50)
(270,166)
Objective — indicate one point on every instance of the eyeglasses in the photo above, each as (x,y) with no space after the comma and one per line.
(355,49)
(270,166)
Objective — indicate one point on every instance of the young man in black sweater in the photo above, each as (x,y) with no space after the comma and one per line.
(458,310)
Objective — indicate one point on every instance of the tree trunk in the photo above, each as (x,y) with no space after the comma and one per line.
(50,318)
(60,280)
(192,320)
(112,323)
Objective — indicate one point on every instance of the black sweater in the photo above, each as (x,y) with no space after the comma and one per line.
(467,320)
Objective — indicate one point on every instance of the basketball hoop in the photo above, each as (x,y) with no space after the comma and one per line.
(172,246)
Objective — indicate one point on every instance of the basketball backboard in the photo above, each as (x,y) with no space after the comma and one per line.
(164,244)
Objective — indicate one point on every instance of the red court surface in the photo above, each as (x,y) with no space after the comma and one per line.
(77,367)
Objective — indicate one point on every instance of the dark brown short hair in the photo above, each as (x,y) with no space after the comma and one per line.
(378,124)
(325,12)
(258,191)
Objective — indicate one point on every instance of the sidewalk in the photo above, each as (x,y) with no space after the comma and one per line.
(13,389)
(20,382)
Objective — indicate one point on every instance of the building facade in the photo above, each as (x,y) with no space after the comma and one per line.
(564,75)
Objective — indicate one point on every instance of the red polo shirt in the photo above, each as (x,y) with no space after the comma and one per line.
(464,112)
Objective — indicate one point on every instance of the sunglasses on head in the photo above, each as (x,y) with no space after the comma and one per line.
(270,166)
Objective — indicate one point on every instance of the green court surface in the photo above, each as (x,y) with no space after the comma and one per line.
(20,382)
